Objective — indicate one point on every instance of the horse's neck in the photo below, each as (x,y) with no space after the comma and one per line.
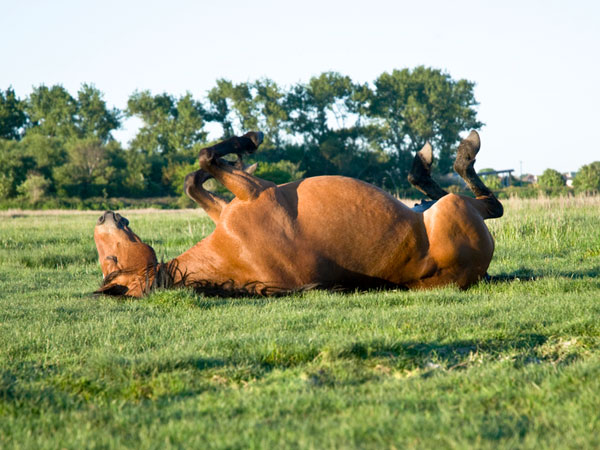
(193,265)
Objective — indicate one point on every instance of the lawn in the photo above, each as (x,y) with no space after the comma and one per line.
(511,363)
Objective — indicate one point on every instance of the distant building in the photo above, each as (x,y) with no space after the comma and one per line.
(568,176)
(528,178)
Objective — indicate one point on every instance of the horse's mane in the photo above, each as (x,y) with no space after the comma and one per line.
(162,276)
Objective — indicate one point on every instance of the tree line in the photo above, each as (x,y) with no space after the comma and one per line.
(53,143)
(57,145)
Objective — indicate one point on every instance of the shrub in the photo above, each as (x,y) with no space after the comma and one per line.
(551,179)
(34,188)
(588,178)
(279,172)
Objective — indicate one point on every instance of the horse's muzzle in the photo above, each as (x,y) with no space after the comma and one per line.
(110,217)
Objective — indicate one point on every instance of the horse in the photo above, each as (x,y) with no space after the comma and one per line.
(329,232)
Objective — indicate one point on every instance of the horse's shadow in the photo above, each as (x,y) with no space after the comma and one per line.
(527,274)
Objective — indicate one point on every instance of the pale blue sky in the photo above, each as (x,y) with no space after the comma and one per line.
(536,63)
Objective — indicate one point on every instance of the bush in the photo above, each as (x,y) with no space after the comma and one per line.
(588,178)
(34,188)
(279,172)
(551,179)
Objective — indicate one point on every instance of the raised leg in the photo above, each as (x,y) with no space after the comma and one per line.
(248,143)
(210,202)
(420,174)
(464,166)
(241,183)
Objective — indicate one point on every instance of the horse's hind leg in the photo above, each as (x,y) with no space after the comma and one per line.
(241,183)
(420,174)
(210,202)
(464,166)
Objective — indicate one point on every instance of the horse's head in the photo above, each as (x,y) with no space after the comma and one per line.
(125,260)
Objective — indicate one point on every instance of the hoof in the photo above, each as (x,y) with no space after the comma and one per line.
(466,153)
(256,137)
(426,155)
(471,144)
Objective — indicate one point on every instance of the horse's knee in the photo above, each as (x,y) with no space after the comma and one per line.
(193,182)
(495,208)
(206,158)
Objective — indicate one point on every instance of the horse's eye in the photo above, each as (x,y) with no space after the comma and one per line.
(112,258)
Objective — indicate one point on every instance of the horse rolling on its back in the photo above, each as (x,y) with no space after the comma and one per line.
(326,231)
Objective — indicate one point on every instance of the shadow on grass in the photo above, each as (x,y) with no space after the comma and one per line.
(57,261)
(414,354)
(527,274)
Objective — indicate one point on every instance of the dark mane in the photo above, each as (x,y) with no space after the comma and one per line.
(163,277)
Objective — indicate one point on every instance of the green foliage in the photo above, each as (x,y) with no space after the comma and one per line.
(329,125)
(94,119)
(136,177)
(419,105)
(170,126)
(588,178)
(492,181)
(551,179)
(512,363)
(12,115)
(87,172)
(279,172)
(52,112)
(34,188)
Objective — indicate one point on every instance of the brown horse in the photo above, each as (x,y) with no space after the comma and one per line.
(327,231)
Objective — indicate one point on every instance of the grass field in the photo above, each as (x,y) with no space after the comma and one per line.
(514,363)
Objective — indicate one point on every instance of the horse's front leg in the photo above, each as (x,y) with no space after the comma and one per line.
(241,183)
(210,202)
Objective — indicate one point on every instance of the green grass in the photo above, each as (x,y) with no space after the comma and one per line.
(514,363)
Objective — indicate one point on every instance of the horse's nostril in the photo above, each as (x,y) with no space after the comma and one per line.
(101,220)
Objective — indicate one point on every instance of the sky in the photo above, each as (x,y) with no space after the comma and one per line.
(536,64)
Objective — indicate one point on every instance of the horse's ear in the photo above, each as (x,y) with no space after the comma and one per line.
(117,290)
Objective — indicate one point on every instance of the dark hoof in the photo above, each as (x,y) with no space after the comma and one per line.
(256,137)
(470,145)
(426,155)
(420,170)
(466,153)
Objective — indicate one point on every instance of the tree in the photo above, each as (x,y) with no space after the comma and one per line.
(170,131)
(55,113)
(232,106)
(52,112)
(551,179)
(322,115)
(410,107)
(94,119)
(88,170)
(15,165)
(170,126)
(588,178)
(34,188)
(313,106)
(12,115)
(272,115)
